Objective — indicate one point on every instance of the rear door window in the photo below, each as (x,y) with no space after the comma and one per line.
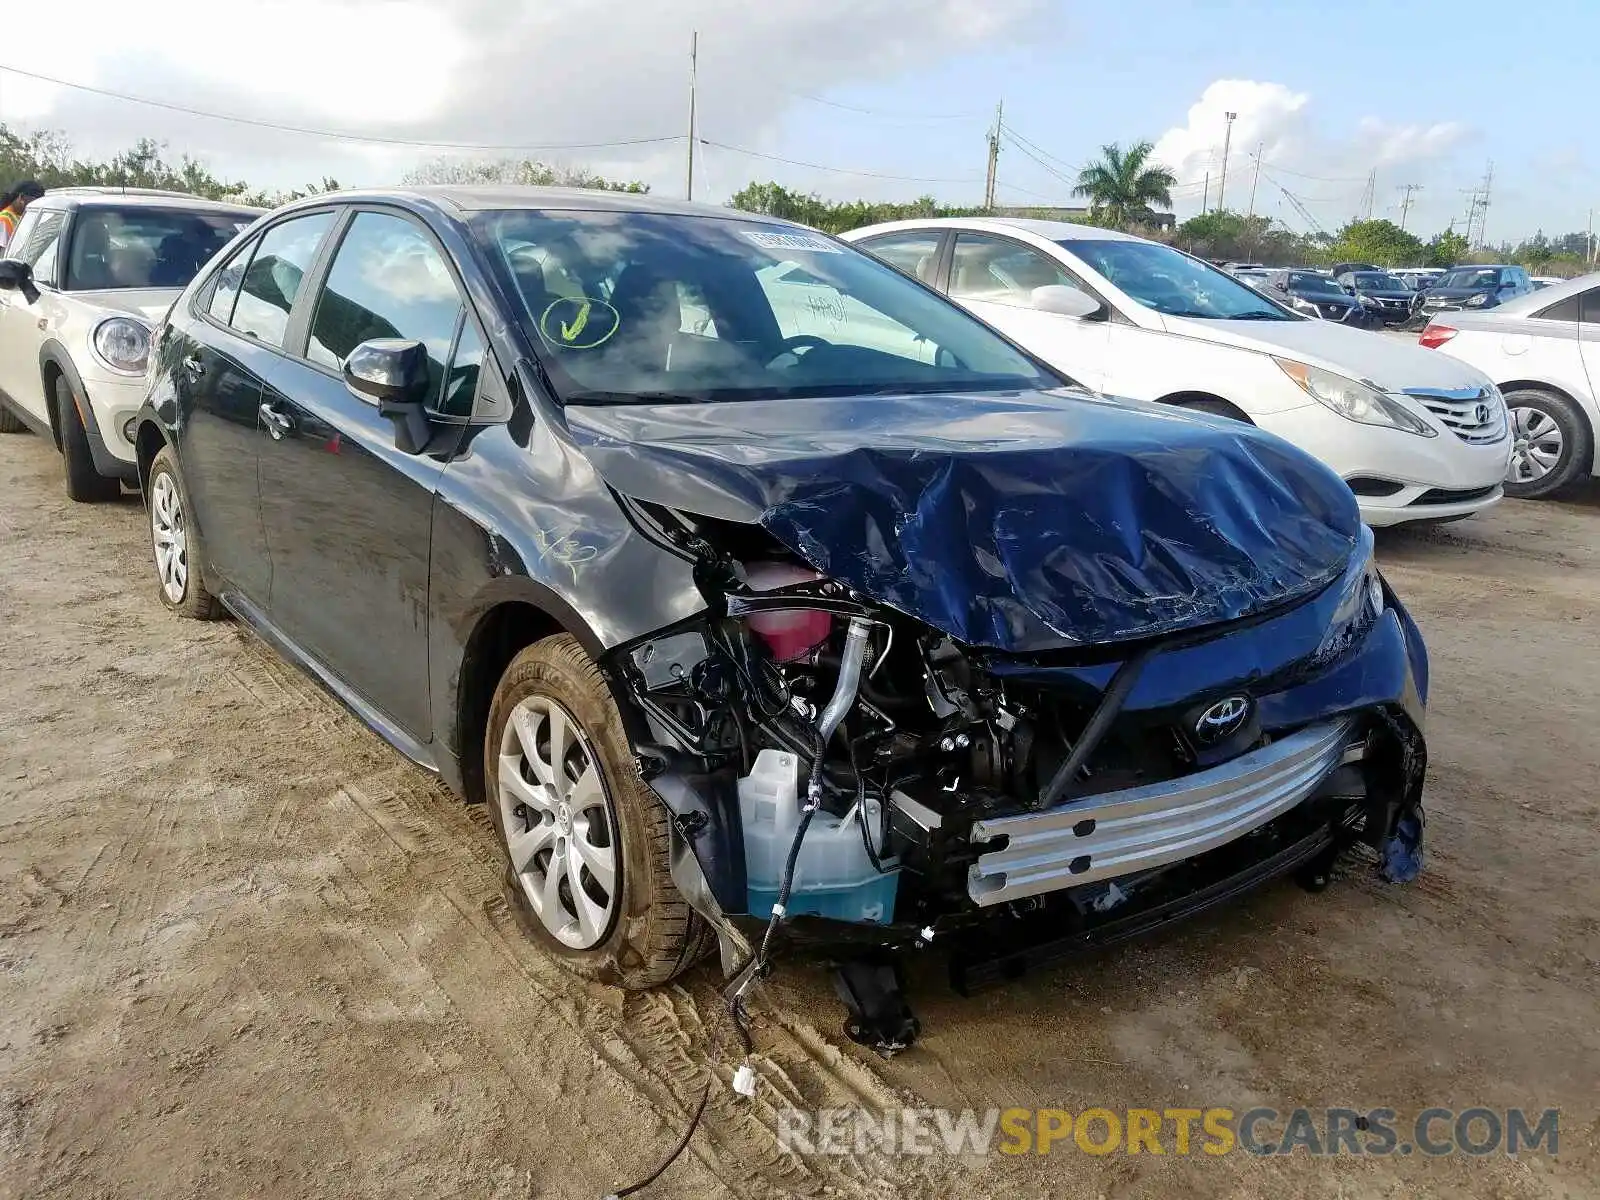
(272,281)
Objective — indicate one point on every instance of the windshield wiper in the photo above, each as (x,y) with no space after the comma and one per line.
(602,397)
(1257,314)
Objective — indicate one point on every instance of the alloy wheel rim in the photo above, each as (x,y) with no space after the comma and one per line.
(1536,445)
(558,824)
(171,539)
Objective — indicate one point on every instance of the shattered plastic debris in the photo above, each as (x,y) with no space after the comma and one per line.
(1017,521)
(1402,852)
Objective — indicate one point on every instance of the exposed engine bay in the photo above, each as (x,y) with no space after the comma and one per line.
(854,775)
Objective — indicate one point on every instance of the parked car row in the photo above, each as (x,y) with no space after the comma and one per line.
(764,595)
(1544,348)
(1415,436)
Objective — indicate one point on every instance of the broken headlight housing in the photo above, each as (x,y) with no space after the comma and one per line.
(1362,604)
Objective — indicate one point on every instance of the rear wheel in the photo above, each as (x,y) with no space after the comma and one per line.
(1551,445)
(585,843)
(180,577)
(84,482)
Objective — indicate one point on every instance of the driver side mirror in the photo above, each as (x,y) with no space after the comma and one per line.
(1067,302)
(393,372)
(16,275)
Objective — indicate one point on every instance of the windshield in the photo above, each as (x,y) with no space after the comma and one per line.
(1470,279)
(1374,281)
(629,306)
(145,247)
(1172,283)
(1310,281)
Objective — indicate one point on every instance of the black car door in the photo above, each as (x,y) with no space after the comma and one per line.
(225,348)
(347,514)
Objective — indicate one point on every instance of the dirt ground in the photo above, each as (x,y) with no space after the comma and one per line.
(246,950)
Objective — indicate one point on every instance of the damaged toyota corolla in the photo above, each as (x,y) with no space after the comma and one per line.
(767,598)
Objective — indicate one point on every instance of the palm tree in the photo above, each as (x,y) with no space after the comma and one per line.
(1122,186)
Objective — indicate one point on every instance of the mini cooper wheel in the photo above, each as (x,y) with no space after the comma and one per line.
(84,481)
(180,578)
(585,842)
(1551,444)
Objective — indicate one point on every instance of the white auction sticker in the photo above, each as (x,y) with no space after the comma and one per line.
(771,239)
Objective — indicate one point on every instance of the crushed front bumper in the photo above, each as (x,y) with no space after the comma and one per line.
(1138,829)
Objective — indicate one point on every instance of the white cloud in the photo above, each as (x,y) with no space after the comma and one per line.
(1326,169)
(502,72)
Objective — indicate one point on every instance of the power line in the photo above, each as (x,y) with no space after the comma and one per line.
(338,135)
(1063,163)
(1022,146)
(1319,178)
(795,162)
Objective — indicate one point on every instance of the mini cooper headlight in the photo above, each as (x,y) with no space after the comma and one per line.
(123,344)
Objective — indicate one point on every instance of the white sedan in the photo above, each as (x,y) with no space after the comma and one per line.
(1416,436)
(1543,349)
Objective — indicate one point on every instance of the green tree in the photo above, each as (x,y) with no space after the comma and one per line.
(525,171)
(1445,249)
(834,216)
(1125,187)
(1382,242)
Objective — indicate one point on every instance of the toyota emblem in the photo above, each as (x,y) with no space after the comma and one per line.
(1222,720)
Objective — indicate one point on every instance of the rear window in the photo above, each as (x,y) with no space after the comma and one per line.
(145,247)
(1477,278)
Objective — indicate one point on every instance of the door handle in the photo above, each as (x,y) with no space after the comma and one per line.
(193,367)
(277,423)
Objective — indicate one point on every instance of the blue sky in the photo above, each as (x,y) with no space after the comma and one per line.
(1426,93)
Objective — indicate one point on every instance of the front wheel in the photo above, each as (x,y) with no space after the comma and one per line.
(586,844)
(84,481)
(1551,444)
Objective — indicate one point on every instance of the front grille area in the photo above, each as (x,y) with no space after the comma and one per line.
(1464,417)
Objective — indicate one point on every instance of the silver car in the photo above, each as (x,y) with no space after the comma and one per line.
(88,273)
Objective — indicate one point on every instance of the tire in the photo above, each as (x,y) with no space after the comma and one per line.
(10,422)
(1552,444)
(184,590)
(84,483)
(1215,408)
(645,933)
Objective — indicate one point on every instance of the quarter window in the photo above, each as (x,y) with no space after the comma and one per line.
(225,287)
(1000,271)
(276,272)
(914,253)
(387,281)
(461,383)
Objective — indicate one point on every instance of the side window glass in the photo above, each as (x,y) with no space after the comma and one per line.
(272,281)
(1569,309)
(225,288)
(916,254)
(461,381)
(694,313)
(387,281)
(40,245)
(1590,314)
(19,235)
(998,271)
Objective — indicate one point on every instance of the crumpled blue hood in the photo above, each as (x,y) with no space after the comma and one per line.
(1017,521)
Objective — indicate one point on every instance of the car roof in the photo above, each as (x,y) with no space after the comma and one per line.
(81,197)
(1054,231)
(1521,306)
(461,199)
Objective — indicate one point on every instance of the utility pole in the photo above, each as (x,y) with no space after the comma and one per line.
(694,60)
(1256,178)
(1364,205)
(1205,196)
(1488,185)
(994,157)
(1405,205)
(1588,244)
(1227,143)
